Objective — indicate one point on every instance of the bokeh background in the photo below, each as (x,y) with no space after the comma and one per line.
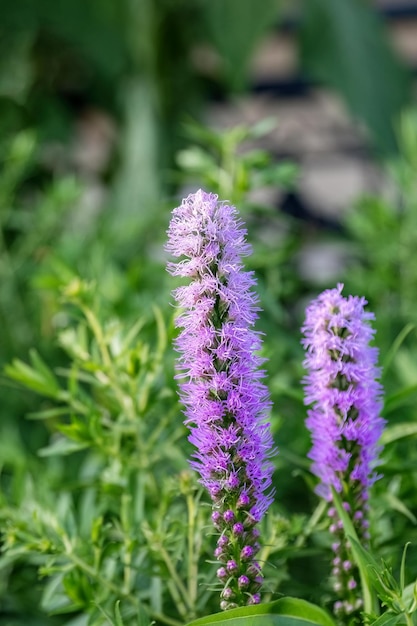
(300,112)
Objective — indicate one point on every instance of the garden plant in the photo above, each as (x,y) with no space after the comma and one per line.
(234,446)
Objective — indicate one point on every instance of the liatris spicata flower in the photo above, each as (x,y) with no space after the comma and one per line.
(344,421)
(225,400)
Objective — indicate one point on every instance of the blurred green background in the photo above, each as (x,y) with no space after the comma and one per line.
(104,109)
(94,101)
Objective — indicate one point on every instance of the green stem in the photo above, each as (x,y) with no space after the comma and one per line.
(370,604)
(174,576)
(102,581)
(165,619)
(311,524)
(178,601)
(98,333)
(192,554)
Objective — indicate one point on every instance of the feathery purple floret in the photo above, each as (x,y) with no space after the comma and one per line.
(221,386)
(344,420)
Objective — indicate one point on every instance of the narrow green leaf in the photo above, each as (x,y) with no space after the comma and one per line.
(400,398)
(399,340)
(105,614)
(387,619)
(40,366)
(398,431)
(30,378)
(131,335)
(162,333)
(396,504)
(62,447)
(119,621)
(48,413)
(402,570)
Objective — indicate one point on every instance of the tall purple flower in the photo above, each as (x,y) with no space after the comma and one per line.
(341,387)
(225,401)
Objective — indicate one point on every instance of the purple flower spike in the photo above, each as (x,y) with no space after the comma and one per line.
(226,403)
(341,386)
(344,419)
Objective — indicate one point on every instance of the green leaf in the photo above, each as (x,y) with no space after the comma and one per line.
(62,447)
(117,614)
(395,400)
(161,330)
(131,335)
(48,413)
(105,614)
(396,504)
(398,431)
(399,340)
(362,558)
(283,612)
(402,571)
(195,160)
(31,378)
(387,619)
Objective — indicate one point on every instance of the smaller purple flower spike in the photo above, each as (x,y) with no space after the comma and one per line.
(226,403)
(344,419)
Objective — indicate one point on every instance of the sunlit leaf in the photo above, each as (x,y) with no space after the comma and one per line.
(400,398)
(62,447)
(399,340)
(283,612)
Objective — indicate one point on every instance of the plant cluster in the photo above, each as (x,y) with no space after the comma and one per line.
(109,524)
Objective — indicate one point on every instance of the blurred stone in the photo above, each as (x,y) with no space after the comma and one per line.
(276,58)
(93,142)
(323,263)
(404,37)
(332,184)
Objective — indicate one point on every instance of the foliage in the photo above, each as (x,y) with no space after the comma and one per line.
(102,522)
(121,528)
(362,67)
(108,523)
